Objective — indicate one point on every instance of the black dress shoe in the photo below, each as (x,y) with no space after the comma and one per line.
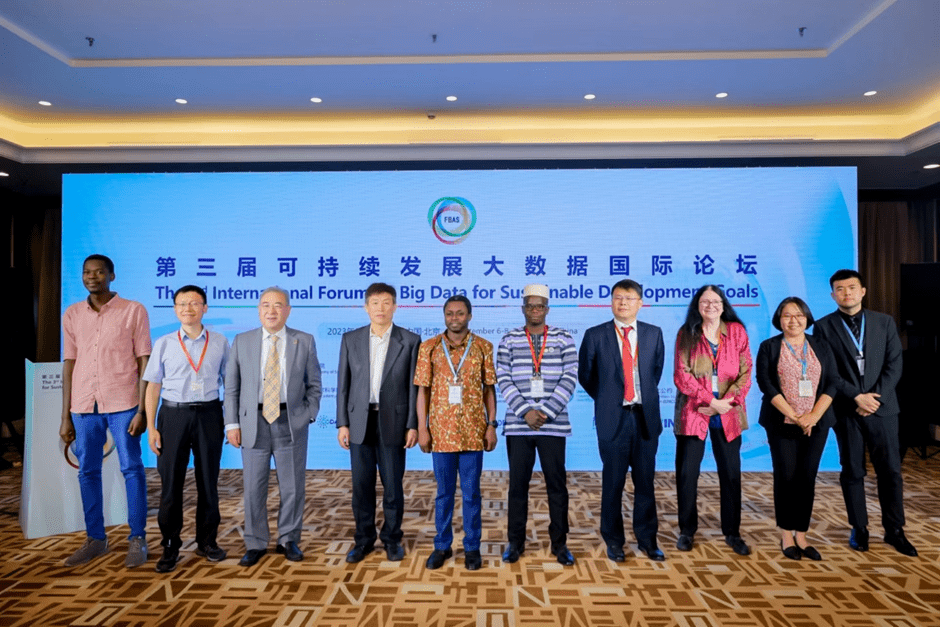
(858,540)
(472,560)
(290,551)
(900,543)
(684,543)
(512,553)
(615,553)
(563,555)
(811,553)
(652,551)
(437,558)
(212,552)
(394,552)
(358,553)
(251,557)
(167,562)
(738,545)
(791,552)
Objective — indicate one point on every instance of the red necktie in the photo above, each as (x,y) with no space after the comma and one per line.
(627,356)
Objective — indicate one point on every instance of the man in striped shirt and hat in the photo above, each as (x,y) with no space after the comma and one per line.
(537,370)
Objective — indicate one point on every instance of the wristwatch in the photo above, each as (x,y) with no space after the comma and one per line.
(492,423)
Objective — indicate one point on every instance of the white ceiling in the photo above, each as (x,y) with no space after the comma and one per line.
(519,69)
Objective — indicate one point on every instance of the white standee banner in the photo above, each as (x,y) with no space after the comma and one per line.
(50,502)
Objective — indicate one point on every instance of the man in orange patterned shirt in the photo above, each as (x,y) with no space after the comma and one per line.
(456,408)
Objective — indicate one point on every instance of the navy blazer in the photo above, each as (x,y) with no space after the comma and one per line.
(600,372)
(882,349)
(768,380)
(397,396)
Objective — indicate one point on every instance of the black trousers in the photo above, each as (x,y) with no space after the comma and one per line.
(200,429)
(630,449)
(689,453)
(551,451)
(390,461)
(795,458)
(880,434)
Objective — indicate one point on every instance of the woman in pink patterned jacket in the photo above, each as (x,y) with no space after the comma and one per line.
(712,375)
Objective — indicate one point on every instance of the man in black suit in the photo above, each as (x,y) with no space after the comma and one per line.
(868,354)
(376,418)
(620,364)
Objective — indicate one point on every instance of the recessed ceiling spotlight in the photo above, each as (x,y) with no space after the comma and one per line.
(932,166)
(451,98)
(722,94)
(316,100)
(589,96)
(4,174)
(45,103)
(181,101)
(870,93)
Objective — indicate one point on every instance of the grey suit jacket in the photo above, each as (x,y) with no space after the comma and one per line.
(243,380)
(397,395)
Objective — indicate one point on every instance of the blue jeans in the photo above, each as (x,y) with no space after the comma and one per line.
(90,438)
(446,467)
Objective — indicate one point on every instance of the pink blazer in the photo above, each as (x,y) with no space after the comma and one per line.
(693,378)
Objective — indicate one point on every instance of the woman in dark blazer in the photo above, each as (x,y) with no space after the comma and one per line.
(796,374)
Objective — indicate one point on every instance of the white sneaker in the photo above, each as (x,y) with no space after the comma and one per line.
(88,551)
(136,552)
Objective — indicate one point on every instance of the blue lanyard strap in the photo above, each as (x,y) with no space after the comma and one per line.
(802,359)
(860,342)
(450,363)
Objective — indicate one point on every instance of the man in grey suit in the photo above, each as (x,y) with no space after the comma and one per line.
(868,355)
(376,418)
(272,394)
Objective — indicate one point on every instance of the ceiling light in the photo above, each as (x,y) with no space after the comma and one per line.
(451,98)
(180,101)
(870,93)
(317,100)
(589,96)
(45,103)
(723,94)
(932,166)
(4,174)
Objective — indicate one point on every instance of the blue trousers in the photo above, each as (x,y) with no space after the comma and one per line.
(446,467)
(90,438)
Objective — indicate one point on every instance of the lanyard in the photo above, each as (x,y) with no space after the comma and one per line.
(860,342)
(803,359)
(466,352)
(205,346)
(537,362)
(713,355)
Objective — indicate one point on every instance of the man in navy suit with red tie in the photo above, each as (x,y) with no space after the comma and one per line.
(620,364)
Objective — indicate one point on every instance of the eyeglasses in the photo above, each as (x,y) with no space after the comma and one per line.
(710,303)
(530,307)
(798,316)
(625,299)
(194,304)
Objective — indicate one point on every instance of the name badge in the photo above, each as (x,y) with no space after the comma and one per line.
(715,383)
(860,362)
(537,386)
(195,389)
(455,394)
(806,388)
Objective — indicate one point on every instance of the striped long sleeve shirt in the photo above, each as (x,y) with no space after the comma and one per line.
(559,370)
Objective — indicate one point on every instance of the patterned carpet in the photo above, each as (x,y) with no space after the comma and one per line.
(709,586)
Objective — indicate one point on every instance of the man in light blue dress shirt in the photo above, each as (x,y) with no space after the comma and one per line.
(186,369)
